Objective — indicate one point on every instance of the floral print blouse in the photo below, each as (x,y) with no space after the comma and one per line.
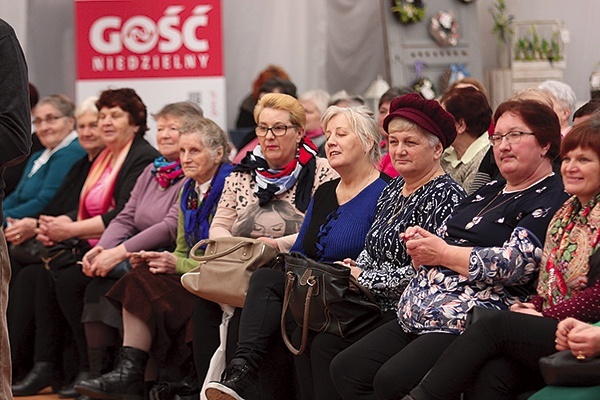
(387,268)
(505,230)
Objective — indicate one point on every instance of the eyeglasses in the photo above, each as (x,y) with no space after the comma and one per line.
(278,130)
(50,119)
(512,137)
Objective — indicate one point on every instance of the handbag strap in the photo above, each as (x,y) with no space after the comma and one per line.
(216,255)
(290,278)
(366,292)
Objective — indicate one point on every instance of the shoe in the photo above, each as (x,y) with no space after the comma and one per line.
(42,374)
(69,392)
(237,382)
(125,382)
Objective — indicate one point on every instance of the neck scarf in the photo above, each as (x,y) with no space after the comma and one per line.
(573,238)
(104,159)
(166,172)
(198,213)
(272,182)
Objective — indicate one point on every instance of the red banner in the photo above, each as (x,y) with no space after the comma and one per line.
(121,39)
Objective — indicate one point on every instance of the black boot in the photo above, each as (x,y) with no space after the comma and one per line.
(41,375)
(238,382)
(125,382)
(69,392)
(101,360)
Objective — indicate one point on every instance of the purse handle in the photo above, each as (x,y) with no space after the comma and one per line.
(289,282)
(203,242)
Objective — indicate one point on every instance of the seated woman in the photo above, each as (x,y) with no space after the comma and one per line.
(122,123)
(45,170)
(488,169)
(385,165)
(148,221)
(470,265)
(315,104)
(568,286)
(418,131)
(282,168)
(579,337)
(156,308)
(472,112)
(24,252)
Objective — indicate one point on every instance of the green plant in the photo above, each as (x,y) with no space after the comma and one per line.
(502,22)
(409,12)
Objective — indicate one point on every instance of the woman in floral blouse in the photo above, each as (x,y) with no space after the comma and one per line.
(513,342)
(419,130)
(486,256)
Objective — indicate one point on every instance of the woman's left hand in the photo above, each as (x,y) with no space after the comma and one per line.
(424,247)
(581,338)
(20,230)
(55,229)
(106,260)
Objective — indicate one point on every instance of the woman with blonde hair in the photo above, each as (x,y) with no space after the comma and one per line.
(352,219)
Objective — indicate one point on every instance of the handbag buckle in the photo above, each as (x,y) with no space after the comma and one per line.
(305,277)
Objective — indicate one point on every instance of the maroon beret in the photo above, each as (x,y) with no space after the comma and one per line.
(428,114)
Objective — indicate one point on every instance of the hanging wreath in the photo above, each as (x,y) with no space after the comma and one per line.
(408,11)
(444,29)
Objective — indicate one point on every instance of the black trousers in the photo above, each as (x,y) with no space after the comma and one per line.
(387,363)
(494,358)
(312,366)
(67,289)
(251,331)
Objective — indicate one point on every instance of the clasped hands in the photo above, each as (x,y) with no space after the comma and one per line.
(581,338)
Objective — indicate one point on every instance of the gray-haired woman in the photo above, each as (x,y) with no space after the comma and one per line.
(369,233)
(156,309)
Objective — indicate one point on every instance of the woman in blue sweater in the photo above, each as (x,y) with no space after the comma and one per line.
(352,218)
(45,171)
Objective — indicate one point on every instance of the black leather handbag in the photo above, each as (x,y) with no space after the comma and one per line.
(26,253)
(63,254)
(324,298)
(564,369)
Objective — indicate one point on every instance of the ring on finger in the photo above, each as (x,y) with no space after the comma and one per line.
(581,356)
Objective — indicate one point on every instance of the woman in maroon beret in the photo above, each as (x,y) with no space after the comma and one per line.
(487,255)
(424,195)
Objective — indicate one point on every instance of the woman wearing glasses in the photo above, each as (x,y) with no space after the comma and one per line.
(45,171)
(364,228)
(487,256)
(507,346)
(282,168)
(107,187)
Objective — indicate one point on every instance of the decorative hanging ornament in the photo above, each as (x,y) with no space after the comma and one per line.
(423,85)
(444,29)
(455,72)
(408,11)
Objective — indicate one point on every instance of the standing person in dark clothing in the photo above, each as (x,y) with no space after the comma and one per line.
(15,140)
(13,173)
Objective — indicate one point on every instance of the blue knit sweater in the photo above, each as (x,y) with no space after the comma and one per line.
(33,194)
(331,232)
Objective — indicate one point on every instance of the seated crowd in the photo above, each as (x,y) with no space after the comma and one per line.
(436,207)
